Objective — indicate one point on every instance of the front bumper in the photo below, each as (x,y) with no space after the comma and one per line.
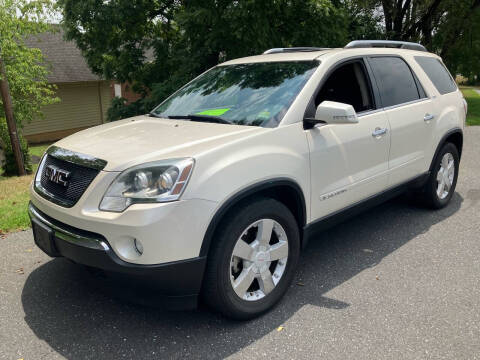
(178,282)
(168,232)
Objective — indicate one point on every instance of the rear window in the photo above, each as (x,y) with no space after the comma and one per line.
(395,80)
(437,73)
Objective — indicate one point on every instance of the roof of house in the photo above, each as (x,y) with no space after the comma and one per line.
(63,57)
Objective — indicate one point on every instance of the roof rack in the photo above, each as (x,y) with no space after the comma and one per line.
(385,44)
(292,49)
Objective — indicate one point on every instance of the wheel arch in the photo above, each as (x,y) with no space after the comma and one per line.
(455,136)
(284,190)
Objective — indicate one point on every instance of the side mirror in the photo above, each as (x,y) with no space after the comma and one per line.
(331,112)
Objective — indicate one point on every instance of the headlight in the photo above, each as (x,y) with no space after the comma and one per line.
(159,181)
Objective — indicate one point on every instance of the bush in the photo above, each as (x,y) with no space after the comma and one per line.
(120,110)
(9,167)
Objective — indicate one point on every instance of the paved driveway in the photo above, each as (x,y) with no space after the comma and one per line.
(397,282)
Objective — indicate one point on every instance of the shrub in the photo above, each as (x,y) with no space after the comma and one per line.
(9,167)
(120,110)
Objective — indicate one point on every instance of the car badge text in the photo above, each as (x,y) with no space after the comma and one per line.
(57,175)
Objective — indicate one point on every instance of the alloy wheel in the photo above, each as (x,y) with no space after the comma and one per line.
(259,259)
(445,176)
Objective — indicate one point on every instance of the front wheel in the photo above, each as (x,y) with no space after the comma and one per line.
(253,259)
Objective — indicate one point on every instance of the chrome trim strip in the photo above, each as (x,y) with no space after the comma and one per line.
(67,235)
(369,112)
(77,158)
(406,103)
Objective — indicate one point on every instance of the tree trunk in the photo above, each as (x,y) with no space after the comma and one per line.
(426,18)
(399,18)
(387,12)
(12,126)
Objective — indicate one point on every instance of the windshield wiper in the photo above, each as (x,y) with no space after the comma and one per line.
(152,114)
(206,118)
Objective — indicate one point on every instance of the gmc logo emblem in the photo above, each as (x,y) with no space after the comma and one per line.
(57,175)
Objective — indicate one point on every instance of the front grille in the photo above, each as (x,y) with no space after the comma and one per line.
(80,178)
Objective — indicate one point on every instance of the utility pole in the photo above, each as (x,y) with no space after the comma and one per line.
(12,126)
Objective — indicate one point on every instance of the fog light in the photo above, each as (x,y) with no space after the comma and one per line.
(138,246)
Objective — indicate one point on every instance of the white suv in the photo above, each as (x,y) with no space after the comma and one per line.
(216,191)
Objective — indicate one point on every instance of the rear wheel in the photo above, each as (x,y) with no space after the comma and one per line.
(253,259)
(440,186)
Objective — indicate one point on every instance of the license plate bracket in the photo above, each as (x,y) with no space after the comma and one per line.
(43,237)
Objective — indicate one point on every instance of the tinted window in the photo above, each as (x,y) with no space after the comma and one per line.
(349,85)
(422,92)
(437,74)
(395,80)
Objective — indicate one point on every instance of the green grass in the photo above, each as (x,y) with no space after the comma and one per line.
(473,100)
(38,150)
(14,197)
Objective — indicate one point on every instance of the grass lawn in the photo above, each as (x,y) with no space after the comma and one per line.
(473,100)
(14,197)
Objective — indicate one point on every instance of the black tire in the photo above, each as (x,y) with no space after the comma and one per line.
(218,292)
(428,193)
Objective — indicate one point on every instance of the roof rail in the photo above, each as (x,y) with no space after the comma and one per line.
(385,44)
(292,49)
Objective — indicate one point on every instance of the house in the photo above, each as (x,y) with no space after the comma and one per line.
(85,97)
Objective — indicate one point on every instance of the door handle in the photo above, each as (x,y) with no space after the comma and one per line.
(379,132)
(428,117)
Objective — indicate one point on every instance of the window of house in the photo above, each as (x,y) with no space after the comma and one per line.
(437,73)
(349,85)
(395,80)
(118,90)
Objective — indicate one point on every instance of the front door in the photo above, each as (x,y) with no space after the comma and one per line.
(349,162)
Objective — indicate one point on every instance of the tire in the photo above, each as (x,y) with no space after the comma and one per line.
(227,275)
(431,194)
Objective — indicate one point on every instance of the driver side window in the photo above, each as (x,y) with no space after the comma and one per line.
(348,84)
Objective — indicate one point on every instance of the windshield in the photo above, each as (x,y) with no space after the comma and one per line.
(257,94)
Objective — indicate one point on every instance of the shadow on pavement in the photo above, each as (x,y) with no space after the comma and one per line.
(80,317)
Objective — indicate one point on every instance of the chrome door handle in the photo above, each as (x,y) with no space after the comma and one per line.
(379,132)
(428,117)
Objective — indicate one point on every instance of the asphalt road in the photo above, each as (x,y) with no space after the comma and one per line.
(397,282)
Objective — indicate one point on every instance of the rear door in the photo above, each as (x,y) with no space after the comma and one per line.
(410,114)
(447,99)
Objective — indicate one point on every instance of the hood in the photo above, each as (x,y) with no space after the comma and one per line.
(142,139)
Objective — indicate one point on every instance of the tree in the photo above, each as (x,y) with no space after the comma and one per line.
(446,27)
(363,19)
(125,40)
(463,55)
(158,45)
(437,24)
(24,67)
